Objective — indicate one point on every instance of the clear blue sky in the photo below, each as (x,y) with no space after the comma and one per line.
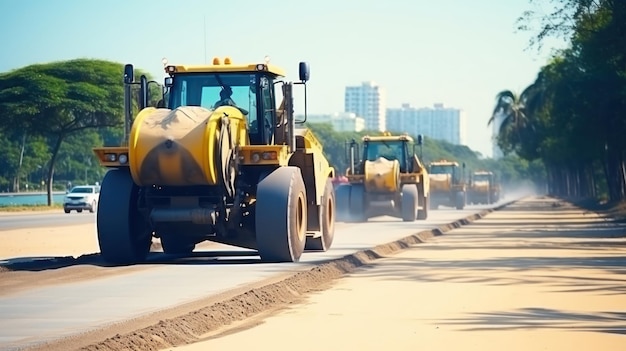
(458,52)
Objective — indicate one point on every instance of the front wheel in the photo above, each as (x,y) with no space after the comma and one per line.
(124,235)
(281,217)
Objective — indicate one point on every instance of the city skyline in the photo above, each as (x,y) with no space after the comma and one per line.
(412,49)
(437,122)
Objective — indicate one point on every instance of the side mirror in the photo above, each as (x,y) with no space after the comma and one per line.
(420,139)
(169,81)
(129,75)
(305,72)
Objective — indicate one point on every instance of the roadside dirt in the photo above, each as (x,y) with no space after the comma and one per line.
(186,324)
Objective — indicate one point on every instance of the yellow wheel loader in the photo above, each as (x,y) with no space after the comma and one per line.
(483,188)
(447,184)
(388,179)
(219,160)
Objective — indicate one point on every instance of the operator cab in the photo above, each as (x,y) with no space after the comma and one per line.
(250,92)
(249,87)
(452,169)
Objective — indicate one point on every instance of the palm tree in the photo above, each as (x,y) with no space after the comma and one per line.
(511,109)
(510,113)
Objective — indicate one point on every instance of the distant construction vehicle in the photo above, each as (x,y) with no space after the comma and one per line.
(387,179)
(237,171)
(447,184)
(483,188)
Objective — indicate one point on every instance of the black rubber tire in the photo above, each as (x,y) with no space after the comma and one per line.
(422,213)
(459,200)
(358,208)
(342,201)
(92,209)
(80,210)
(281,217)
(67,211)
(409,202)
(123,235)
(327,221)
(174,245)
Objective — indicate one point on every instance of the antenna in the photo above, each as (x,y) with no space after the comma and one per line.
(205,62)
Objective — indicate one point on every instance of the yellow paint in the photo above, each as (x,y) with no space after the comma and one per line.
(177,147)
(218,67)
(382,175)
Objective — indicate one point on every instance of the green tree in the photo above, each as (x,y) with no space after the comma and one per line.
(582,119)
(59,99)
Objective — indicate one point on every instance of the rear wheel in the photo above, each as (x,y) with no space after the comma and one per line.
(423,212)
(66,210)
(327,220)
(281,218)
(409,202)
(123,234)
(92,209)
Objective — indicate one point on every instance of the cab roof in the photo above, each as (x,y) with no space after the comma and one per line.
(388,137)
(226,66)
(444,163)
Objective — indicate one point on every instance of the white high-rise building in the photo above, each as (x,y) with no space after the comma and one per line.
(437,122)
(341,121)
(368,101)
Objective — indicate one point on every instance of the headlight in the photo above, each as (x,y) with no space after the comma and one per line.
(123,159)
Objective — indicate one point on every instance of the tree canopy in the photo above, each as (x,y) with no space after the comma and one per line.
(574,113)
(57,100)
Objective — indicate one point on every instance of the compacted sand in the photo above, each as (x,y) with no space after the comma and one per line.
(537,275)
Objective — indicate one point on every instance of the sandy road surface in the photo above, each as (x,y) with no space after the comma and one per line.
(62,241)
(530,277)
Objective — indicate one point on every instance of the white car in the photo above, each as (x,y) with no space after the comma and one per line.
(82,197)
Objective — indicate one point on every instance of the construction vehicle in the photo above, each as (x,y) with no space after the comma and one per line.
(483,188)
(447,184)
(239,172)
(389,179)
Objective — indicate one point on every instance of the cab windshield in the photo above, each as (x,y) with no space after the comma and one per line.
(446,169)
(203,89)
(391,150)
(481,177)
(437,169)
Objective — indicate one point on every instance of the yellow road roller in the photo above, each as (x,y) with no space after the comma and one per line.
(219,159)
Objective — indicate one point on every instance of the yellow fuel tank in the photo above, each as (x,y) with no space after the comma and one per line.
(440,182)
(178,147)
(382,175)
